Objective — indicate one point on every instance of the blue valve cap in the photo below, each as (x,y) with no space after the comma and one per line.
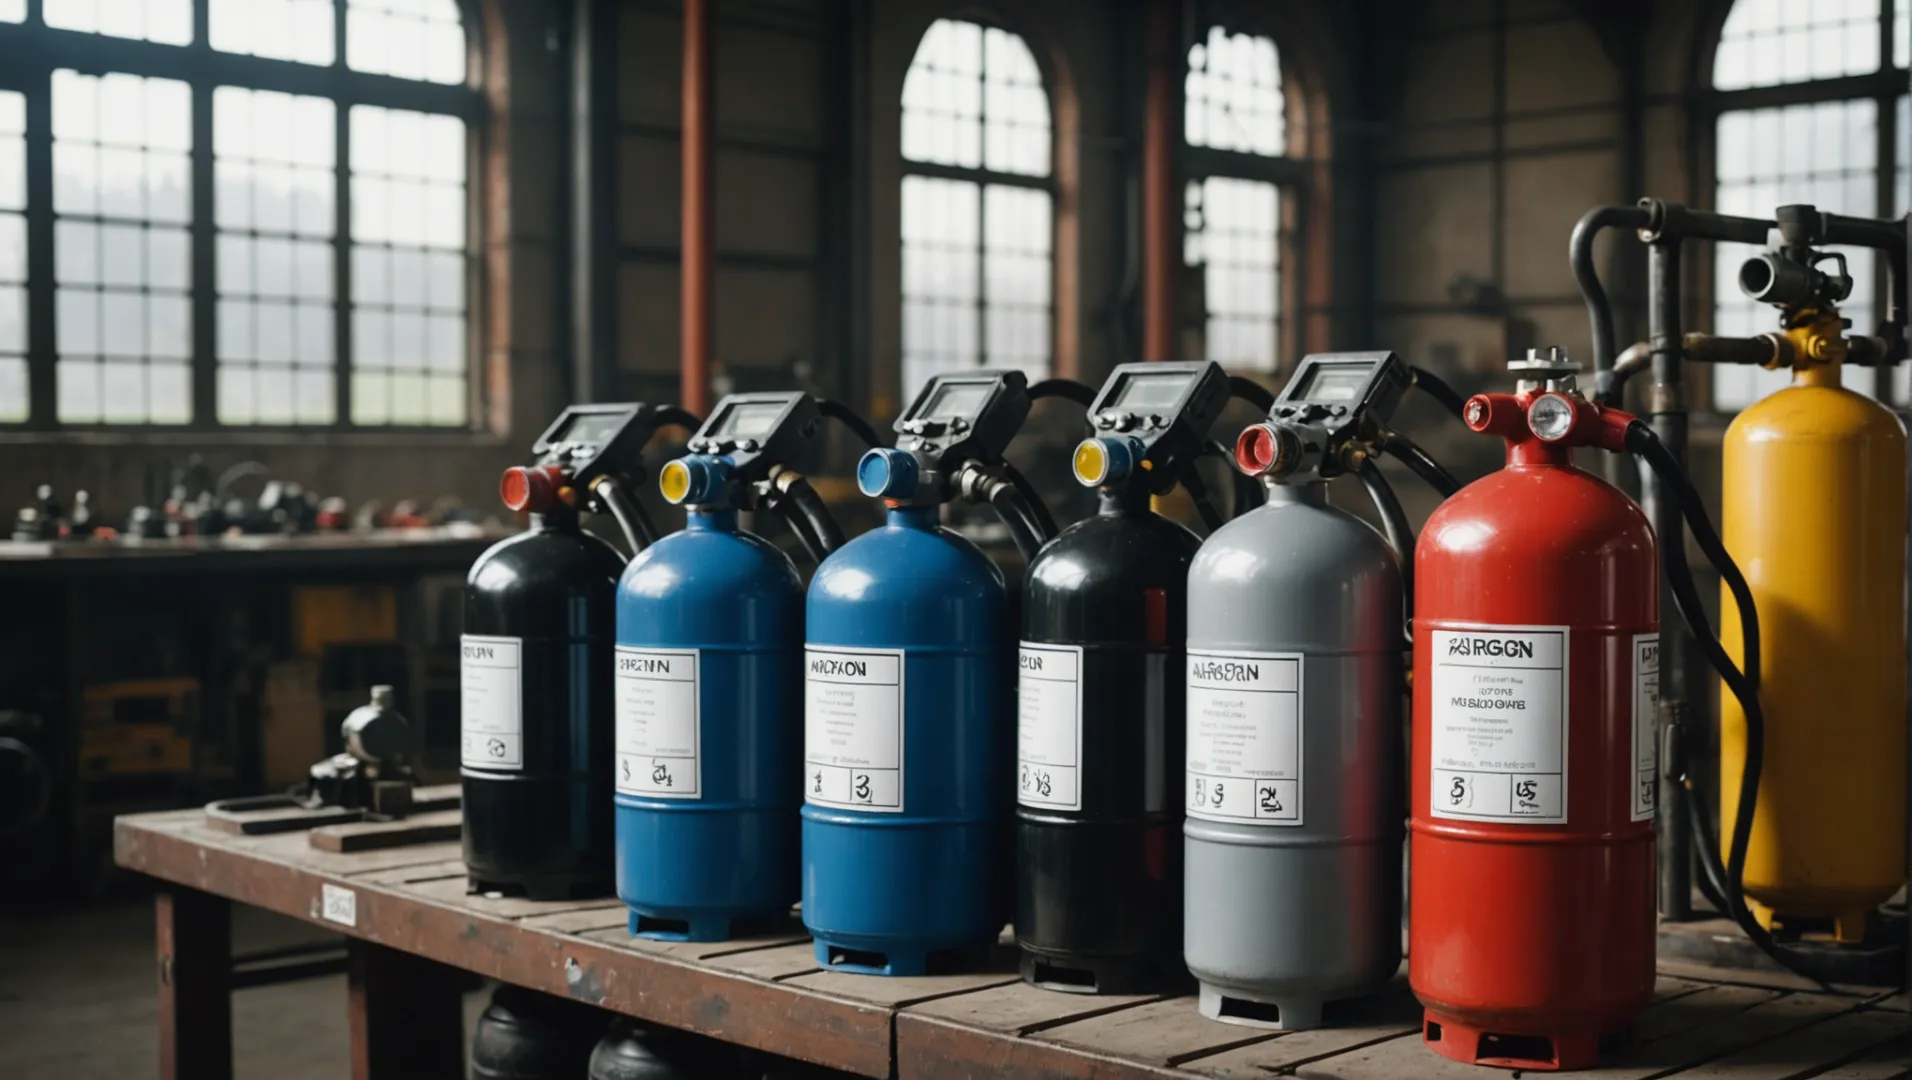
(887,473)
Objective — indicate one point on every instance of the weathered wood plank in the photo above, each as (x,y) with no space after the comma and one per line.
(931,1049)
(1159,1033)
(590,921)
(788,961)
(193,950)
(1725,1034)
(1018,1008)
(1892,1061)
(400,875)
(1842,1038)
(897,992)
(435,827)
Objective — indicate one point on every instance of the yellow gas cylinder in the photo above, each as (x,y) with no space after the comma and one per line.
(1814,513)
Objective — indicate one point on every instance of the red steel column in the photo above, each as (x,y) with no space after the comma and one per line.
(699,218)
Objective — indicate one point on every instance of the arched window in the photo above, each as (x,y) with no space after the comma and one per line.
(1234,112)
(978,206)
(264,228)
(1810,106)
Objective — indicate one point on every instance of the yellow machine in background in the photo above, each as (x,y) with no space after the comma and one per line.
(1814,512)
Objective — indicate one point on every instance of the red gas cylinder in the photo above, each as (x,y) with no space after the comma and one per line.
(1535,672)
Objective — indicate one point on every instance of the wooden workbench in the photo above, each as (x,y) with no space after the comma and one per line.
(410,925)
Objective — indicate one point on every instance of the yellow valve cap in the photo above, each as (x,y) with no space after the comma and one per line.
(1091,462)
(674,481)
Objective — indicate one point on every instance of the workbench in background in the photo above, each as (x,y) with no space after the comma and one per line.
(411,928)
(150,674)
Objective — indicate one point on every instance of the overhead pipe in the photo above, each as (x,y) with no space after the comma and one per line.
(1160,201)
(699,216)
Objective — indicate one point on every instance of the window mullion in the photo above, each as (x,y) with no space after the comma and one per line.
(42,377)
(205,264)
(341,236)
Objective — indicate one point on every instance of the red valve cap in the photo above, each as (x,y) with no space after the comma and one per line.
(1255,449)
(531,489)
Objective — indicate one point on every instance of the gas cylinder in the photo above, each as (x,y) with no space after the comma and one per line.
(1100,699)
(907,691)
(1535,666)
(526,1035)
(1293,781)
(1814,511)
(535,674)
(709,682)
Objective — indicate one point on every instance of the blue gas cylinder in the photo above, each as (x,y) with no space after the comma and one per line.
(708,703)
(906,740)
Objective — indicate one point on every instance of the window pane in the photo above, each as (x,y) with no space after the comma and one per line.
(298,30)
(1840,177)
(1017,275)
(942,240)
(1233,95)
(1232,236)
(975,97)
(13,256)
(409,262)
(273,159)
(1772,42)
(10,11)
(167,22)
(123,325)
(407,39)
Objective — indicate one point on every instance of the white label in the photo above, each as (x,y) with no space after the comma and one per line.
(659,727)
(1646,725)
(491,720)
(338,905)
(1499,746)
(853,728)
(1049,726)
(1244,737)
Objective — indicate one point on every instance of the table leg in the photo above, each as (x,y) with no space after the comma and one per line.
(407,1015)
(194,946)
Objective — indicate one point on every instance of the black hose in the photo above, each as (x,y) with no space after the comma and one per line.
(1081,393)
(1394,523)
(1409,453)
(802,528)
(801,502)
(1197,489)
(1245,389)
(1039,516)
(1726,875)
(1437,388)
(631,519)
(1247,493)
(666,415)
(849,418)
(1011,507)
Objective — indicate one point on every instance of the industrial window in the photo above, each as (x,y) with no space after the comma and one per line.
(1232,214)
(978,206)
(1827,83)
(268,227)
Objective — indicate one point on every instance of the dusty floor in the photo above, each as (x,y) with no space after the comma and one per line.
(76,999)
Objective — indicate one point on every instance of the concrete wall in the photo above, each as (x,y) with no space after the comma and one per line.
(521,239)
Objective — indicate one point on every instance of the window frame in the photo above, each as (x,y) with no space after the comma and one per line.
(31,51)
(1884,87)
(1292,173)
(984,177)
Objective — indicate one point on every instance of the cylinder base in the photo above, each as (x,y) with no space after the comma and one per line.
(1256,1011)
(1072,973)
(541,886)
(895,962)
(1538,1051)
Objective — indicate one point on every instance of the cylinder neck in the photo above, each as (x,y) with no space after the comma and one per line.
(1127,501)
(560,519)
(912,517)
(1537,452)
(710,519)
(1817,375)
(1306,493)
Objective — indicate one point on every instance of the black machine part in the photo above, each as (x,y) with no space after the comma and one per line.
(1165,411)
(957,419)
(526,1035)
(594,452)
(371,774)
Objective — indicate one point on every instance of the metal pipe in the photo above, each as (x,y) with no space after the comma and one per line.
(698,205)
(1160,201)
(1667,411)
(1587,277)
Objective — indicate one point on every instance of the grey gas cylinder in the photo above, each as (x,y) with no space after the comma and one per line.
(1294,791)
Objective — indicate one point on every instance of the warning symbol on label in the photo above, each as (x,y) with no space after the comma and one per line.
(1269,799)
